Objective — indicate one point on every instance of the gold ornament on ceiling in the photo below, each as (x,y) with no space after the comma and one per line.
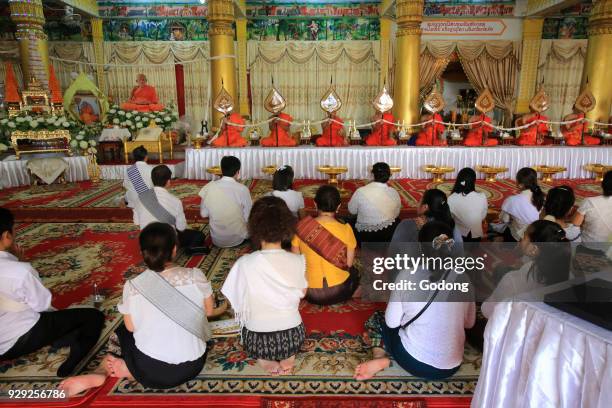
(539,103)
(274,102)
(585,101)
(330,102)
(434,102)
(383,101)
(484,102)
(224,102)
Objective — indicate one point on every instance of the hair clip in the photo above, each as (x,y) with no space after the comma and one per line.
(281,168)
(462,182)
(442,239)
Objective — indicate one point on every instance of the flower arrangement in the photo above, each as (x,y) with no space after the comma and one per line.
(83,137)
(135,120)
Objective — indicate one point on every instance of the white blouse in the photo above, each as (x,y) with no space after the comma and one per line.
(518,212)
(377,206)
(597,225)
(293,199)
(155,334)
(468,212)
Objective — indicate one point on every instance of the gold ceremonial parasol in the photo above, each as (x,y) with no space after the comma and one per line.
(330,102)
(224,102)
(585,102)
(484,102)
(539,102)
(434,102)
(274,102)
(383,101)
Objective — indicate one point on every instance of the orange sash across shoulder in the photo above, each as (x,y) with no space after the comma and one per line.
(323,242)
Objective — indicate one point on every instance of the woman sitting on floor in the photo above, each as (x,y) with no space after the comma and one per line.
(163,309)
(557,207)
(550,263)
(433,207)
(520,210)
(468,207)
(377,207)
(265,288)
(329,248)
(282,183)
(425,338)
(594,216)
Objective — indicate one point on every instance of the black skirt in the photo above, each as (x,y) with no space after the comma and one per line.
(273,346)
(335,294)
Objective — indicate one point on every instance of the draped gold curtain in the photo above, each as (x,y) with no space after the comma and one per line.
(74,51)
(560,67)
(9,51)
(302,73)
(487,64)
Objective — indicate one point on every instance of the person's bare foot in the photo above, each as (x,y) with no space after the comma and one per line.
(287,365)
(367,370)
(107,365)
(119,368)
(271,367)
(76,385)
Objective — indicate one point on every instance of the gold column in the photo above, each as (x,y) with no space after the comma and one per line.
(598,63)
(241,37)
(221,40)
(29,18)
(385,44)
(532,39)
(97,37)
(409,15)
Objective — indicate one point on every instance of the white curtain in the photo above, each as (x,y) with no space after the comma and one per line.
(560,67)
(302,73)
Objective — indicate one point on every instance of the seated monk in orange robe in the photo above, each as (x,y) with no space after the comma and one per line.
(381,132)
(87,114)
(529,136)
(229,135)
(333,133)
(431,132)
(479,131)
(574,132)
(279,133)
(143,97)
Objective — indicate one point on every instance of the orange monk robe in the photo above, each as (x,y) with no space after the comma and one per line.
(143,99)
(478,131)
(381,132)
(431,132)
(280,130)
(230,134)
(573,133)
(529,136)
(332,133)
(88,115)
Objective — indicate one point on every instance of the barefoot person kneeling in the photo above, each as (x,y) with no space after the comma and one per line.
(164,331)
(265,288)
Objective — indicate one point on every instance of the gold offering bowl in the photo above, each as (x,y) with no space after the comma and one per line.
(437,172)
(598,169)
(549,171)
(333,172)
(198,142)
(269,170)
(491,172)
(214,170)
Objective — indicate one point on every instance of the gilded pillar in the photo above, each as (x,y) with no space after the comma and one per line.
(598,63)
(29,18)
(532,39)
(97,36)
(221,40)
(409,15)
(241,38)
(385,45)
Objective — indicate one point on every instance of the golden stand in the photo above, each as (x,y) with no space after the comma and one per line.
(491,172)
(332,173)
(548,172)
(269,170)
(214,170)
(437,172)
(598,170)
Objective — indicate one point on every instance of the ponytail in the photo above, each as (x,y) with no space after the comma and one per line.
(528,178)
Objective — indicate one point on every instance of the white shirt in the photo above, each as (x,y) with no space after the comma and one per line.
(572,232)
(597,225)
(437,337)
(20,282)
(226,233)
(272,289)
(519,212)
(377,206)
(145,171)
(155,334)
(468,212)
(293,199)
(142,216)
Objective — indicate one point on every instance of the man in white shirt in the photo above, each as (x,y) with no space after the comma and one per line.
(26,325)
(227,204)
(137,176)
(159,205)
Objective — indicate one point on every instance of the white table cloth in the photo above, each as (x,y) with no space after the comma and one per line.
(358,159)
(538,356)
(117,171)
(14,172)
(114,135)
